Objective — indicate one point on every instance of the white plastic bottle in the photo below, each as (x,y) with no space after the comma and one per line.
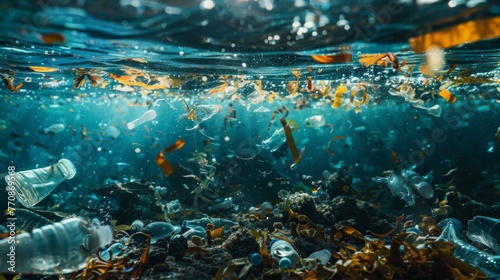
(397,186)
(148,116)
(31,186)
(59,248)
(418,183)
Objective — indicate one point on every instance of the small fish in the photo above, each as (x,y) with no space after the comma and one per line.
(16,135)
(83,132)
(38,144)
(73,131)
(55,128)
(315,121)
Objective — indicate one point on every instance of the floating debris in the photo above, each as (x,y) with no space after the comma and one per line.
(9,82)
(146,117)
(52,38)
(163,162)
(336,58)
(291,143)
(43,69)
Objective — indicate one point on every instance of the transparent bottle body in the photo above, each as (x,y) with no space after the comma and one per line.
(217,222)
(323,256)
(281,249)
(59,248)
(158,230)
(397,186)
(418,183)
(485,230)
(463,250)
(34,185)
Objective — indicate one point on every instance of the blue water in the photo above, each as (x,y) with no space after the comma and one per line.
(192,48)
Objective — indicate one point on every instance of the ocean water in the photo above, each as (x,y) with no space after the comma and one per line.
(220,76)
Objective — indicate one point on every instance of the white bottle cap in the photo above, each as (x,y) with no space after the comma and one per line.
(69,167)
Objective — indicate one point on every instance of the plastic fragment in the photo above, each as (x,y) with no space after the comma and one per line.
(338,137)
(337,101)
(446,94)
(383,235)
(163,162)
(470,31)
(380,59)
(276,112)
(9,83)
(119,110)
(335,58)
(43,69)
(291,142)
(52,38)
(316,121)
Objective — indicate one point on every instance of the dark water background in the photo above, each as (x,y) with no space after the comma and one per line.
(259,40)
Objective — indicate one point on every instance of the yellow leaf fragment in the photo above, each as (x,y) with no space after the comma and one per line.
(341,89)
(43,69)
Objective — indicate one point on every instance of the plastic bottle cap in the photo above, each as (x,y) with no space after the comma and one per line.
(69,166)
(285,263)
(255,259)
(105,235)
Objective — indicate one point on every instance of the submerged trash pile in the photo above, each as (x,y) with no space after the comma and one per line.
(301,237)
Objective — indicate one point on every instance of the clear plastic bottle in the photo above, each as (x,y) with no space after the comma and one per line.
(323,256)
(470,254)
(30,220)
(281,249)
(197,230)
(485,230)
(113,250)
(217,222)
(34,185)
(418,183)
(397,186)
(137,225)
(158,230)
(59,248)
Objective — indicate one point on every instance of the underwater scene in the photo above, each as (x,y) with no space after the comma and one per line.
(250,139)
